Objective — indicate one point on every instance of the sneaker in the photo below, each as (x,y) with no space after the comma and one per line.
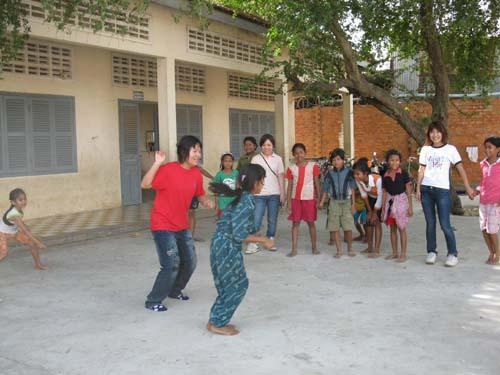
(451,261)
(252,248)
(157,308)
(273,248)
(431,258)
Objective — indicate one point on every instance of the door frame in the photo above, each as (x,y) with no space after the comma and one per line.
(120,138)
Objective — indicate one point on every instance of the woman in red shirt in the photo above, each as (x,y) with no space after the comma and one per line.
(175,183)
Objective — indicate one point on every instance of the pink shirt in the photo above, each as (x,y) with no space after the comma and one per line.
(490,182)
(271,182)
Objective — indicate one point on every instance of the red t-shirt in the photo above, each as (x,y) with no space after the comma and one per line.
(301,179)
(175,188)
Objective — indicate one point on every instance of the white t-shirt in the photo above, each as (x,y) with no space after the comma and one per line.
(437,162)
(12,214)
(271,182)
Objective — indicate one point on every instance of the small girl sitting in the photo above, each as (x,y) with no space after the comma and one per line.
(235,226)
(12,227)
(396,203)
(227,175)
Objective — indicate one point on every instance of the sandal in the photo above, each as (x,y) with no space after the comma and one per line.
(157,308)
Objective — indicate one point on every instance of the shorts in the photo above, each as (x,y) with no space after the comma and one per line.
(303,210)
(340,216)
(371,202)
(194,203)
(489,218)
(19,237)
(360,217)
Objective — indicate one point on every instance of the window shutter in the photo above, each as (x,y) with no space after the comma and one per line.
(195,122)
(182,121)
(42,149)
(235,134)
(64,130)
(15,116)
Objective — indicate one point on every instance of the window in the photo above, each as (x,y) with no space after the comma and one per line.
(134,71)
(190,78)
(243,123)
(242,86)
(37,135)
(223,46)
(122,23)
(189,121)
(42,59)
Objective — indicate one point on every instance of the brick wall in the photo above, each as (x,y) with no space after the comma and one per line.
(470,122)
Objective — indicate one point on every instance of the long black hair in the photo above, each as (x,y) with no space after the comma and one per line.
(247,179)
(13,195)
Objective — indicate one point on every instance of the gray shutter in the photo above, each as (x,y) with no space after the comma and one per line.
(17,150)
(182,121)
(234,133)
(195,122)
(64,130)
(42,149)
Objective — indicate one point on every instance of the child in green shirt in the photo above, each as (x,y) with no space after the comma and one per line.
(228,176)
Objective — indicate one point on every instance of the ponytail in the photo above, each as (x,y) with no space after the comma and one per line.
(7,222)
(247,179)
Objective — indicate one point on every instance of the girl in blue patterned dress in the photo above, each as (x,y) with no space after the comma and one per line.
(226,259)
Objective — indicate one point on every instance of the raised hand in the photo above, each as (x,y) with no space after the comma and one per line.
(160,157)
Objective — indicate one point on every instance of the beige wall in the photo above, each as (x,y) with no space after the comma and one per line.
(97,183)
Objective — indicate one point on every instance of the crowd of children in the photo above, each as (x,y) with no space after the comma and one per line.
(355,198)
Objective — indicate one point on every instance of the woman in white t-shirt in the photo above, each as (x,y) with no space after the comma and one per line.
(433,190)
(273,192)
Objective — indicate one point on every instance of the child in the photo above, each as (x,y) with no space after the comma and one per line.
(339,185)
(226,259)
(227,176)
(360,216)
(13,227)
(489,202)
(303,186)
(250,147)
(396,203)
(370,188)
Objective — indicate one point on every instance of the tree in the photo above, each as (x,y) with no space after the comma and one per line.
(349,43)
(15,28)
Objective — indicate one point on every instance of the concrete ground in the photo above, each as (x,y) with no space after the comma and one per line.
(307,315)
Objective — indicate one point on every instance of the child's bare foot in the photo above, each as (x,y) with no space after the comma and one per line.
(338,255)
(228,330)
(367,251)
(292,253)
(315,252)
(351,253)
(490,258)
(496,259)
(359,238)
(41,266)
(374,255)
(391,256)
(401,259)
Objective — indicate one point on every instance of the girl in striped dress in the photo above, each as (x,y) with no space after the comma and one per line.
(235,227)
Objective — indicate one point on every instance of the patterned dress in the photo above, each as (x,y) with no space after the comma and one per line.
(226,259)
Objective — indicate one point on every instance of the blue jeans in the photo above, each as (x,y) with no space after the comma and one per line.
(177,263)
(432,198)
(272,202)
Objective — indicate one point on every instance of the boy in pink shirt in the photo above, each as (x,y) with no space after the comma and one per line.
(489,201)
(303,188)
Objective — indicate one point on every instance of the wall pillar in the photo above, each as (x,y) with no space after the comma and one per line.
(167,120)
(348,124)
(284,124)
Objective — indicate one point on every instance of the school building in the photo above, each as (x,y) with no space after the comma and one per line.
(81,112)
